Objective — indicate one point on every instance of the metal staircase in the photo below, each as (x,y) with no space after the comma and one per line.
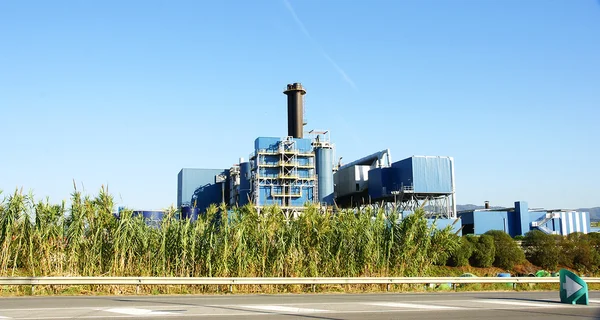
(541,223)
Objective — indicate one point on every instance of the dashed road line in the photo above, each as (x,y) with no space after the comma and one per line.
(138,312)
(517,303)
(412,306)
(283,309)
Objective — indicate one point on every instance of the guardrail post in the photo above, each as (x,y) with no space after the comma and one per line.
(32,289)
(514,286)
(231,288)
(314,287)
(387,287)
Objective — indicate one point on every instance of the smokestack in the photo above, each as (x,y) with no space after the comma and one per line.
(295,109)
(487,204)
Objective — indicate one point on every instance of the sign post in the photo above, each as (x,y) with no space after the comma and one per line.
(573,290)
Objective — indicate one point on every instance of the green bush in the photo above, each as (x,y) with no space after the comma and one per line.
(541,249)
(508,253)
(483,251)
(460,256)
(579,252)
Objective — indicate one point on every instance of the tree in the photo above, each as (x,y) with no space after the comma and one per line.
(508,253)
(484,251)
(541,249)
(460,256)
(578,252)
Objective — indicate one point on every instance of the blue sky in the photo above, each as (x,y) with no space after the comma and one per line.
(126,93)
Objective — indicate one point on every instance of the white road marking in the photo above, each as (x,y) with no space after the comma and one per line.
(412,305)
(1,317)
(594,301)
(518,303)
(283,309)
(138,312)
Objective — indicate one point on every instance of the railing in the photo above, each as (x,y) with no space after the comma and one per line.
(271,281)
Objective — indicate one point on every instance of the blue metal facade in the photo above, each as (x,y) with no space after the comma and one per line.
(426,174)
(198,187)
(151,217)
(245,186)
(285,171)
(382,181)
(190,213)
(324,159)
(443,223)
(520,220)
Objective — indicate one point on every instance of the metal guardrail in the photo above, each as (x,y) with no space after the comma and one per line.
(271,281)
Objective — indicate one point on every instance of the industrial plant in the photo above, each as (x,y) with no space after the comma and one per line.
(294,171)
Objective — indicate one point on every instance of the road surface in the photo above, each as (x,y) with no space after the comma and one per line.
(480,305)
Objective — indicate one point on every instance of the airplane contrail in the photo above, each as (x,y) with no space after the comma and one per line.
(316,44)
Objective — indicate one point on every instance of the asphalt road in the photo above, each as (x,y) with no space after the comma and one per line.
(481,305)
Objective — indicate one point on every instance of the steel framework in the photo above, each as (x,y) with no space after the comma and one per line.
(285,172)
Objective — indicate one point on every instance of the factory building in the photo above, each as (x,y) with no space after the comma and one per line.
(426,181)
(288,171)
(201,187)
(521,219)
(292,171)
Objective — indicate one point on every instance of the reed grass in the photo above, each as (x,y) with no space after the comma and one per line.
(84,238)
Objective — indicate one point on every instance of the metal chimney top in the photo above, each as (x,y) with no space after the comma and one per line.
(295,109)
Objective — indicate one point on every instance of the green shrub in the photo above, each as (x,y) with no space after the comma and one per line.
(541,249)
(579,253)
(460,256)
(483,251)
(508,253)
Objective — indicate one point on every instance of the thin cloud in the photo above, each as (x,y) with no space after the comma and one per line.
(316,44)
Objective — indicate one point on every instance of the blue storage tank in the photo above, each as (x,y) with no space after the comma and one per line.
(245,187)
(324,169)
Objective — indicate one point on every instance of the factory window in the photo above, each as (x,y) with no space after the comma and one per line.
(357,187)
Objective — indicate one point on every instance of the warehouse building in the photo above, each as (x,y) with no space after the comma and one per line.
(521,219)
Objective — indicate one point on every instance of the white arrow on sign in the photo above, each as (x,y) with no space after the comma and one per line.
(571,286)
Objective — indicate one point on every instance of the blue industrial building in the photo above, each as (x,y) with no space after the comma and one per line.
(520,220)
(284,172)
(294,170)
(409,183)
(288,171)
(201,187)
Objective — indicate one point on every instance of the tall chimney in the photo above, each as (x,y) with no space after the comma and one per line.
(295,109)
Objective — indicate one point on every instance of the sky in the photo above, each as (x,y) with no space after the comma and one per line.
(126,93)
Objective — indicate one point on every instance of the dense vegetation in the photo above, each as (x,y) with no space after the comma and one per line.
(43,239)
(85,238)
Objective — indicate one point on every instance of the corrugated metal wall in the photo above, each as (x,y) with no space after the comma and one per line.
(351,180)
(510,222)
(266,143)
(568,222)
(426,174)
(382,181)
(245,187)
(199,183)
